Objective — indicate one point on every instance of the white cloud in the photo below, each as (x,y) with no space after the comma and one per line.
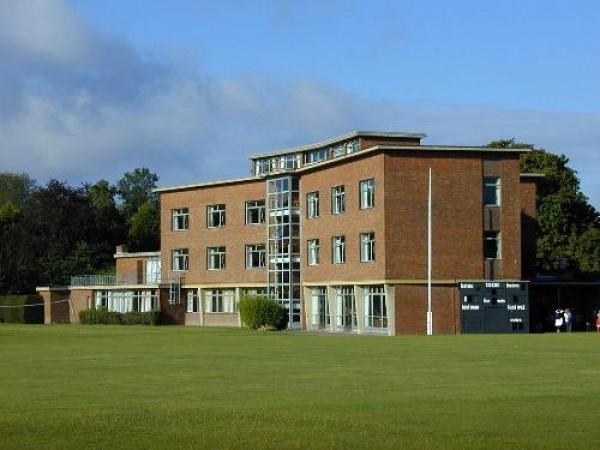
(78,105)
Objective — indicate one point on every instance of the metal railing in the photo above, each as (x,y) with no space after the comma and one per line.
(109,280)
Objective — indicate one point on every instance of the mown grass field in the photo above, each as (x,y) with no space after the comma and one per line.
(157,387)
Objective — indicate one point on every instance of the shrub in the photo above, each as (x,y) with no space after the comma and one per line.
(17,312)
(97,316)
(259,312)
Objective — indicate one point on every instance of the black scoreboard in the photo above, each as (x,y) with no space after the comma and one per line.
(494,307)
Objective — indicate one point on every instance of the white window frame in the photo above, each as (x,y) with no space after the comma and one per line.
(219,301)
(376,322)
(312,205)
(343,296)
(262,166)
(367,193)
(315,156)
(215,215)
(193,302)
(287,162)
(493,183)
(367,247)
(258,252)
(180,259)
(255,207)
(338,199)
(312,252)
(338,250)
(320,317)
(216,258)
(180,219)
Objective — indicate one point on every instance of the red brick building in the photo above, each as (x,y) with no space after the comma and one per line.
(338,232)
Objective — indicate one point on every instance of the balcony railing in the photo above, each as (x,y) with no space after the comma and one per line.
(111,280)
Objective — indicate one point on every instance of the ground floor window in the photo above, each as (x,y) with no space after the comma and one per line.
(193,305)
(219,300)
(376,317)
(127,301)
(320,317)
(345,316)
(261,292)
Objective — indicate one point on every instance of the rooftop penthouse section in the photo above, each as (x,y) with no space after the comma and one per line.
(293,158)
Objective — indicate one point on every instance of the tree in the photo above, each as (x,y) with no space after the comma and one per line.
(144,232)
(135,189)
(15,188)
(568,224)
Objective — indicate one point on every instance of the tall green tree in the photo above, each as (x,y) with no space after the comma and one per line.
(568,225)
(139,204)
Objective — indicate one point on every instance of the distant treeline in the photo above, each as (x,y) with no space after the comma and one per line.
(48,233)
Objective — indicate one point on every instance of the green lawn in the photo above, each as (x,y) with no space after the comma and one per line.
(107,387)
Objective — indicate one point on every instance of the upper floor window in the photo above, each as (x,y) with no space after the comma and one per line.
(179,259)
(289,162)
(338,200)
(312,205)
(312,249)
(338,249)
(255,212)
(215,216)
(216,258)
(367,247)
(338,150)
(179,219)
(491,245)
(255,256)
(367,193)
(262,166)
(491,191)
(315,156)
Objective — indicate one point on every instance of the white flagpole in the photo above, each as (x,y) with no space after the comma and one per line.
(429,258)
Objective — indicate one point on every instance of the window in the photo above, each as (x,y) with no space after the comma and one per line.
(179,259)
(261,166)
(367,193)
(338,247)
(376,309)
(491,245)
(102,299)
(255,212)
(491,191)
(367,247)
(346,309)
(338,203)
(193,305)
(255,256)
(315,156)
(219,300)
(338,150)
(216,257)
(215,216)
(289,162)
(312,247)
(351,146)
(180,219)
(312,205)
(261,292)
(319,309)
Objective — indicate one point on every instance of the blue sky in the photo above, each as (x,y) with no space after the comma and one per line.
(189,88)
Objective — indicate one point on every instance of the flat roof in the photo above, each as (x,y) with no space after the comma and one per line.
(343,137)
(206,184)
(136,254)
(375,148)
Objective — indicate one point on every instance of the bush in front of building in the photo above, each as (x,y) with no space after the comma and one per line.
(21,309)
(258,312)
(102,316)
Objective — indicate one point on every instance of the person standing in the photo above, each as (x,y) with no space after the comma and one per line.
(568,320)
(598,322)
(558,319)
